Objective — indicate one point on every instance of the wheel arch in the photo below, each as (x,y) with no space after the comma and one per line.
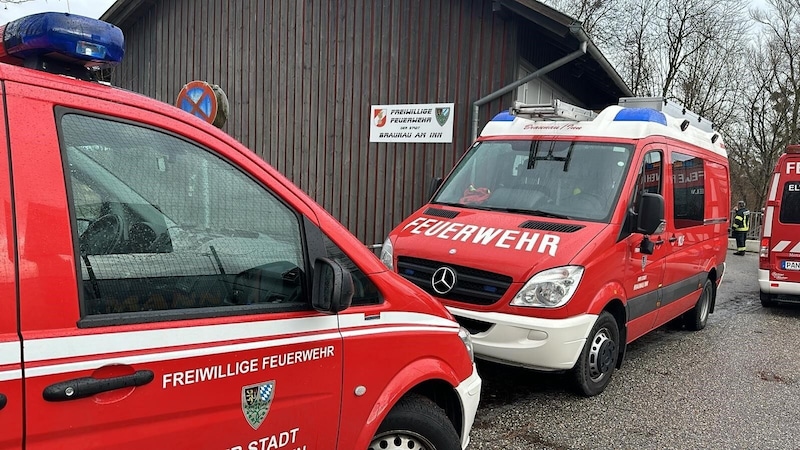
(611,298)
(714,276)
(618,310)
(413,379)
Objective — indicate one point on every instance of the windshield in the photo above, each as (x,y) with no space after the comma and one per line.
(568,179)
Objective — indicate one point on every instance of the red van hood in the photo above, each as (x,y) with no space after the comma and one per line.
(517,245)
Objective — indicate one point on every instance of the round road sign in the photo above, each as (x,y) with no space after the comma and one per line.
(206,101)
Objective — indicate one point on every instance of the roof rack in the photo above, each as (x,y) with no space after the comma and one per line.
(669,108)
(557,110)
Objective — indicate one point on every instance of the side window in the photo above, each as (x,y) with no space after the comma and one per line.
(649,178)
(688,190)
(163,224)
(790,203)
(365,292)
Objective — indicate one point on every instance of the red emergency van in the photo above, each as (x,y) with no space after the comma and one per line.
(779,255)
(563,235)
(163,287)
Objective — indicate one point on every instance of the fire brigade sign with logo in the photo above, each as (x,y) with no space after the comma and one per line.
(256,400)
(431,123)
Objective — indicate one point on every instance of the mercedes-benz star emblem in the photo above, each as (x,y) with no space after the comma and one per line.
(443,280)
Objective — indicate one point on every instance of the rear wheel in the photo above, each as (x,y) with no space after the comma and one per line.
(597,361)
(767,300)
(697,317)
(416,423)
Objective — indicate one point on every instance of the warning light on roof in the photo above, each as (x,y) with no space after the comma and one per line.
(640,115)
(63,37)
(503,116)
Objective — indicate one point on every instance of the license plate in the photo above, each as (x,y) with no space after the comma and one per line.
(790,265)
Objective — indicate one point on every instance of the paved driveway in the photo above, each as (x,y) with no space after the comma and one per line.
(733,385)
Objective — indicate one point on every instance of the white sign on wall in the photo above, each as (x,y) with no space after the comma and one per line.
(412,123)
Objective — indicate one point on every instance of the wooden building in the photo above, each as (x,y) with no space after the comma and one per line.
(301,76)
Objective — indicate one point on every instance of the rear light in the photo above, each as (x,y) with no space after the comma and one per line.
(763,254)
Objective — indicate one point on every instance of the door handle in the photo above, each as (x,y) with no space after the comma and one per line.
(673,239)
(659,241)
(88,386)
(3,401)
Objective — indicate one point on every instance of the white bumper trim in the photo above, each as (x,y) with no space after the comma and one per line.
(469,391)
(543,344)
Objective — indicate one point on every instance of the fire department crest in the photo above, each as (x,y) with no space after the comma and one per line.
(442,114)
(256,400)
(379,116)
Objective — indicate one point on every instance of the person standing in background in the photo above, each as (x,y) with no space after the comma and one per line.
(741,224)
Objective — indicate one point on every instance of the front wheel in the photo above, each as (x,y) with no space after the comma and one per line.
(696,318)
(597,361)
(416,422)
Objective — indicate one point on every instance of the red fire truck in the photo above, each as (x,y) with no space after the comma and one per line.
(163,287)
(563,235)
(779,257)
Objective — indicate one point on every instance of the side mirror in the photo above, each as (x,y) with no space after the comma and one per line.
(651,214)
(333,289)
(435,183)
(647,246)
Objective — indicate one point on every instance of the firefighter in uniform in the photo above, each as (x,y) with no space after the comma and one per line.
(741,224)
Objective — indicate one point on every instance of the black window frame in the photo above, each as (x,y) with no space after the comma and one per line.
(139,317)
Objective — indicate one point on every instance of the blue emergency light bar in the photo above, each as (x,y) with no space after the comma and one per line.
(65,37)
(504,116)
(640,115)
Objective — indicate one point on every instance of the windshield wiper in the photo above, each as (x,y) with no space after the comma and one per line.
(464,205)
(534,212)
(457,205)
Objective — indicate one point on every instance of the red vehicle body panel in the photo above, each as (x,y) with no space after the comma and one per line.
(779,262)
(317,361)
(644,291)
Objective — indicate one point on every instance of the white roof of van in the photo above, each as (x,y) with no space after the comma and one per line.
(613,122)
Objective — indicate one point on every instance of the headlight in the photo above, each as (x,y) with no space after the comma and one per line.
(549,289)
(387,253)
(466,338)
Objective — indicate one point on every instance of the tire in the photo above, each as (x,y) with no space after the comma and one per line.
(696,318)
(767,300)
(416,422)
(598,360)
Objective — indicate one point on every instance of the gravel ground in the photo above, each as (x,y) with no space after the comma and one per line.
(733,385)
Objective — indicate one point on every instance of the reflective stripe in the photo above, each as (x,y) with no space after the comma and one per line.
(780,246)
(795,249)
(50,356)
(768,221)
(773,190)
(121,342)
(10,361)
(9,353)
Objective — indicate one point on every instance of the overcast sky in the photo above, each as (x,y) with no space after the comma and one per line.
(13,9)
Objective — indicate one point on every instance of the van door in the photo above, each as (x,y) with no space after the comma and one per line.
(11,397)
(689,244)
(644,273)
(785,251)
(166,299)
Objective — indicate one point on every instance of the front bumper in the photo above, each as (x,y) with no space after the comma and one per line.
(532,342)
(469,391)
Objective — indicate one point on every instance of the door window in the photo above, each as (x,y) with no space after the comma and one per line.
(162,224)
(688,190)
(790,203)
(649,178)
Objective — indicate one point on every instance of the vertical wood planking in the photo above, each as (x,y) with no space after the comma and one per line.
(301,76)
